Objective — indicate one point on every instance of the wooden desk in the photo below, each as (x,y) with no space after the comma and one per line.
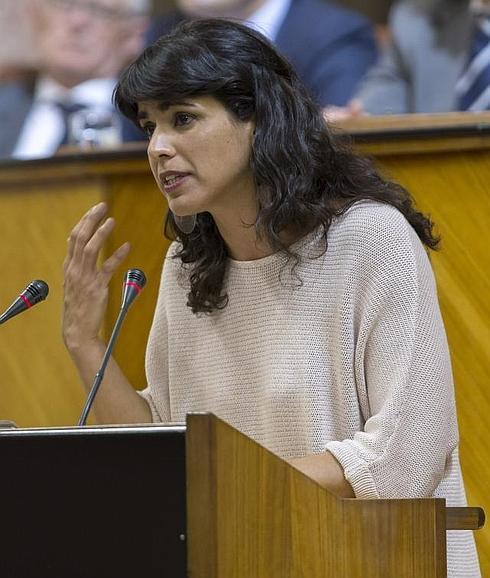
(444,160)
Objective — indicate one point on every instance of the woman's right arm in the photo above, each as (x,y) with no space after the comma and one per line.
(85,304)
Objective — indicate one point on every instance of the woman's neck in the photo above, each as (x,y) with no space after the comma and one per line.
(244,244)
(242,241)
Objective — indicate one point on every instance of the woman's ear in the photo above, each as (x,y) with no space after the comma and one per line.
(253,130)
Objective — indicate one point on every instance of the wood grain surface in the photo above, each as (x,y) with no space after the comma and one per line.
(251,515)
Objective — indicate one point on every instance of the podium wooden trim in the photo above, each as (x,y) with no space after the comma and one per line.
(251,515)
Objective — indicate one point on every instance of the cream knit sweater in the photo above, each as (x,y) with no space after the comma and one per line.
(345,353)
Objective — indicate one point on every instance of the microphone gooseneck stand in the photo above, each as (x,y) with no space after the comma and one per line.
(134,282)
(99,376)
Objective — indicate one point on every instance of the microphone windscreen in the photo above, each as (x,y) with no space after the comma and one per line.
(134,281)
(136,276)
(36,291)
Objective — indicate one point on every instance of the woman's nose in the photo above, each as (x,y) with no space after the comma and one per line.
(160,146)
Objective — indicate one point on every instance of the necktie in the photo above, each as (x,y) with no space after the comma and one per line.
(67,109)
(473,87)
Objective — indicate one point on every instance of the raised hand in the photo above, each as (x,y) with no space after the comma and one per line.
(85,282)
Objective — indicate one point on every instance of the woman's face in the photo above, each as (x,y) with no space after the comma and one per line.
(200,157)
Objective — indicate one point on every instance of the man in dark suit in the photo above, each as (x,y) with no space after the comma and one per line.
(419,71)
(81,47)
(330,47)
(437,60)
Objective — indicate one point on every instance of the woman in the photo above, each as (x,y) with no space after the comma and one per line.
(297,302)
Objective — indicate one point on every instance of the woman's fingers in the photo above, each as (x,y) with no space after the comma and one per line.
(84,245)
(92,247)
(84,229)
(85,284)
(113,262)
(89,224)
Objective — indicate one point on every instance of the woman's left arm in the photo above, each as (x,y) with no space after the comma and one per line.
(402,372)
(326,471)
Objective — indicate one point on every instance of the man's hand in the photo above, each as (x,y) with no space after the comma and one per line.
(353,109)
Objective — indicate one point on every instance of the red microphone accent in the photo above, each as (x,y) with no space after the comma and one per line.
(133,284)
(26,301)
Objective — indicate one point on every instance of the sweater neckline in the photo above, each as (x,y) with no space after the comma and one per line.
(298,247)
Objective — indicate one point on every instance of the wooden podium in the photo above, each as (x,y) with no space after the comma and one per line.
(202,501)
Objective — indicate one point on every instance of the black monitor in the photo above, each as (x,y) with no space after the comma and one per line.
(93,502)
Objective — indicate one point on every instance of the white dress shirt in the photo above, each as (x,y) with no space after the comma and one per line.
(269,17)
(43,128)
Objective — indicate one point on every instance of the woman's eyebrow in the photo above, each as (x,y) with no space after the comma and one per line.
(166,106)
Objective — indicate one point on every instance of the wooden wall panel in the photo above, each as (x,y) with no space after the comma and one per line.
(453,187)
(38,383)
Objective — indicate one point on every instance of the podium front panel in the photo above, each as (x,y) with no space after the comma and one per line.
(93,502)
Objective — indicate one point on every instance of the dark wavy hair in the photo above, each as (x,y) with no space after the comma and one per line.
(304,174)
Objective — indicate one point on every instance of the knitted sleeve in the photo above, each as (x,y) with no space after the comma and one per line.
(402,369)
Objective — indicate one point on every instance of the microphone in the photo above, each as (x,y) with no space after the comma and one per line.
(133,283)
(35,292)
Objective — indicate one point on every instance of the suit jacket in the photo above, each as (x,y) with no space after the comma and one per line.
(420,67)
(330,47)
(15,104)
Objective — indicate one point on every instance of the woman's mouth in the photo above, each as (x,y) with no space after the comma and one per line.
(171,181)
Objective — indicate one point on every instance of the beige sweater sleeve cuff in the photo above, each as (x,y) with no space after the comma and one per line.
(146,395)
(356,471)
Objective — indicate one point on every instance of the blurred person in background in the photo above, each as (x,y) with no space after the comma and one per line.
(81,47)
(330,47)
(17,63)
(17,56)
(437,60)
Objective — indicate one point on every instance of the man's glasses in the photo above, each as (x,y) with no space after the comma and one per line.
(93,8)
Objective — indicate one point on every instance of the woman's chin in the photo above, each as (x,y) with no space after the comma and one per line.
(182,214)
(182,209)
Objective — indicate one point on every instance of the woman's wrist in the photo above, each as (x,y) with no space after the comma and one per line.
(80,348)
(326,471)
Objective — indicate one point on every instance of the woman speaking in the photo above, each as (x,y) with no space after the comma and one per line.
(297,301)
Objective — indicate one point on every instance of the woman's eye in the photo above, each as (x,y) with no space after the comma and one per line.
(183,118)
(148,129)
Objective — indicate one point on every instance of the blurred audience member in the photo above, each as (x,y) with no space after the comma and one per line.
(330,47)
(438,60)
(17,56)
(81,47)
